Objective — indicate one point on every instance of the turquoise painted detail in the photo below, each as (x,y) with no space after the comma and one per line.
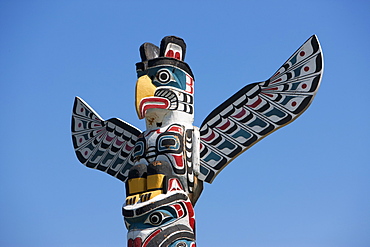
(107,157)
(297,72)
(258,122)
(287,99)
(139,149)
(174,146)
(163,216)
(204,170)
(295,85)
(275,112)
(293,60)
(242,133)
(182,242)
(226,144)
(97,155)
(212,156)
(177,77)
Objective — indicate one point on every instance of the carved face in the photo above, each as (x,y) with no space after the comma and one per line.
(165,85)
(165,220)
(163,93)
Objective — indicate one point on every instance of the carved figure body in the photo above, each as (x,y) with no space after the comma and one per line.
(164,167)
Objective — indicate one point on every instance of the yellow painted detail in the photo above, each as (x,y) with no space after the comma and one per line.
(149,195)
(144,88)
(155,181)
(131,200)
(136,185)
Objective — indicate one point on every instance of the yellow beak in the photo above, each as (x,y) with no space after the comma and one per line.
(144,88)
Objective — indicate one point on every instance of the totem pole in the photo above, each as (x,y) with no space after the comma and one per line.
(164,167)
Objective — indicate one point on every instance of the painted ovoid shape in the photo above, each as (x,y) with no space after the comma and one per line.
(165,166)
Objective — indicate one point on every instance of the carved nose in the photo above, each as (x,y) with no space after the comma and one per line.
(134,243)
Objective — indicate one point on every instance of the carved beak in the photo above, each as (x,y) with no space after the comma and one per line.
(145,98)
(144,88)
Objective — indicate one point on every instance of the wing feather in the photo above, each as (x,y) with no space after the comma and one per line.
(259,109)
(103,145)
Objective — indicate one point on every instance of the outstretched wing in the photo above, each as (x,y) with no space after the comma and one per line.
(103,145)
(259,109)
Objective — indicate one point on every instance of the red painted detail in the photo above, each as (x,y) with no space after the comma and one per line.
(130,243)
(170,53)
(225,125)
(108,138)
(100,136)
(240,114)
(177,55)
(179,160)
(80,140)
(149,238)
(210,137)
(79,125)
(258,101)
(179,210)
(267,94)
(201,146)
(276,81)
(306,68)
(118,142)
(276,74)
(175,129)
(137,242)
(153,102)
(128,147)
(304,86)
(174,185)
(97,125)
(189,84)
(190,209)
(82,109)
(302,53)
(273,88)
(86,152)
(134,242)
(294,103)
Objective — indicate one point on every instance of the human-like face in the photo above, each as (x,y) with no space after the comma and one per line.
(166,220)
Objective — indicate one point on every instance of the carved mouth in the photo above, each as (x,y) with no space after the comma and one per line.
(153,102)
(167,98)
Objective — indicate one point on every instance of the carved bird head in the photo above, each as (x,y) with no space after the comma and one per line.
(164,89)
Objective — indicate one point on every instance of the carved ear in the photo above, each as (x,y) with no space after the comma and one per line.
(174,47)
(148,51)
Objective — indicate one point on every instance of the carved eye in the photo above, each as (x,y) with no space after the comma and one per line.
(181,244)
(163,76)
(170,143)
(157,218)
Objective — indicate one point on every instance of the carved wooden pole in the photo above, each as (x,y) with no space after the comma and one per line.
(164,167)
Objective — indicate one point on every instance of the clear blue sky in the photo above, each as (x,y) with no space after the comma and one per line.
(306,185)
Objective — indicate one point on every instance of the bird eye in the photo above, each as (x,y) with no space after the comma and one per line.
(157,218)
(163,76)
